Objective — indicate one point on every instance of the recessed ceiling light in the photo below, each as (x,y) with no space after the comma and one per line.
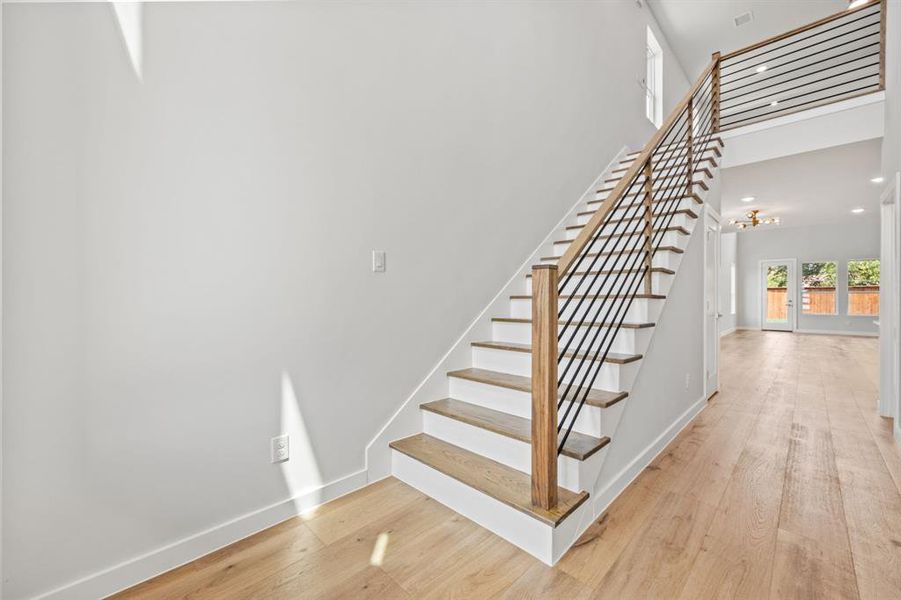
(774,103)
(748,199)
(856,3)
(761,68)
(857,211)
(878,179)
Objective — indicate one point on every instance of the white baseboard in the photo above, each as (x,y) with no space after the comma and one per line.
(604,497)
(141,568)
(838,332)
(897,431)
(728,331)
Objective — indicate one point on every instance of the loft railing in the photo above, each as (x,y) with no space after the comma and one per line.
(580,304)
(839,57)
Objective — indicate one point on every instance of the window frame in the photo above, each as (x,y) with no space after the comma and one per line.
(653,78)
(848,312)
(837,310)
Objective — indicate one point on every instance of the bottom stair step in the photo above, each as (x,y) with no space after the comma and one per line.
(578,445)
(512,487)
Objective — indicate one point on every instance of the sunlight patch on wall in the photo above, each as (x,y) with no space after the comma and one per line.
(130,16)
(301,471)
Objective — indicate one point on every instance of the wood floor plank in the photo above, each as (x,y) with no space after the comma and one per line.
(656,562)
(735,560)
(336,519)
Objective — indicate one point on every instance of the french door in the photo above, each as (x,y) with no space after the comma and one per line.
(778,287)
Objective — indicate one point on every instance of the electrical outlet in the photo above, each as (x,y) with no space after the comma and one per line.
(280,449)
(687,381)
(378,261)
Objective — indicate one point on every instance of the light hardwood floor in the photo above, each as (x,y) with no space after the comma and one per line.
(785,486)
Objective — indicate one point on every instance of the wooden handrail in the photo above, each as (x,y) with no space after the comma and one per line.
(802,29)
(585,236)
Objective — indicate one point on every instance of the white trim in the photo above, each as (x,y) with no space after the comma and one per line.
(897,430)
(792,286)
(710,215)
(406,420)
(141,568)
(728,331)
(837,332)
(803,115)
(603,498)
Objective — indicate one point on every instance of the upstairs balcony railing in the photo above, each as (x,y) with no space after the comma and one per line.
(580,304)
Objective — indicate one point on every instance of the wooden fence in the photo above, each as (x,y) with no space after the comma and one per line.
(862,300)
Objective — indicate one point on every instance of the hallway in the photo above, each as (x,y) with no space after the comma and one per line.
(785,486)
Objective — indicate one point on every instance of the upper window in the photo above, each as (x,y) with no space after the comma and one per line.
(818,281)
(863,287)
(653,81)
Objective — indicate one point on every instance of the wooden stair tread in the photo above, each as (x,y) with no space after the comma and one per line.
(578,445)
(596,397)
(564,296)
(682,211)
(710,160)
(504,484)
(640,191)
(612,357)
(677,229)
(674,175)
(624,325)
(673,249)
(663,270)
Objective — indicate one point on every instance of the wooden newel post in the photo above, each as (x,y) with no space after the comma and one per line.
(544,386)
(715,93)
(648,225)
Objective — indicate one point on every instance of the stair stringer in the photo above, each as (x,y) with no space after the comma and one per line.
(406,420)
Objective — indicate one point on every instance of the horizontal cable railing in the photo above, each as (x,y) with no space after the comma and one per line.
(833,59)
(579,305)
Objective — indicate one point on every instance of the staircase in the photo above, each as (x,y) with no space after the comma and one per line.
(520,440)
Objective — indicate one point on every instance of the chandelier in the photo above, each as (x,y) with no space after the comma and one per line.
(753,220)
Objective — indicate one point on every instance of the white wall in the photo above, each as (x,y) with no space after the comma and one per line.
(187,231)
(856,239)
(669,389)
(728,263)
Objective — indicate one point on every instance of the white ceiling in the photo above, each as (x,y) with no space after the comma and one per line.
(696,29)
(814,187)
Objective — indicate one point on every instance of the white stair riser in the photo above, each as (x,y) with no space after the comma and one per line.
(572,474)
(591,419)
(627,210)
(674,156)
(660,282)
(612,376)
(626,340)
(528,533)
(667,192)
(630,242)
(641,310)
(678,220)
(663,258)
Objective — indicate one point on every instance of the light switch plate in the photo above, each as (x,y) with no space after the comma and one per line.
(378,261)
